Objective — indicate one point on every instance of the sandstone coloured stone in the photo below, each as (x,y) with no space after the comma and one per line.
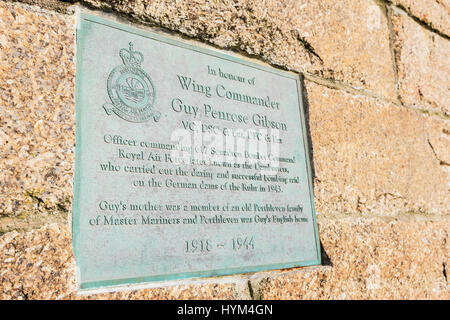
(37,109)
(374,157)
(375,258)
(435,13)
(423,62)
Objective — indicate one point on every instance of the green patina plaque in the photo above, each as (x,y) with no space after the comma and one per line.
(190,163)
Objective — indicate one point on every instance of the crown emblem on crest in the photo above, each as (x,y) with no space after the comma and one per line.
(131,89)
(130,57)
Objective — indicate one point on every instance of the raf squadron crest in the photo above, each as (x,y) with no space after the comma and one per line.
(131,89)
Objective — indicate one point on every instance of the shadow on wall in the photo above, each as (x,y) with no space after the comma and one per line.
(325,258)
(326,261)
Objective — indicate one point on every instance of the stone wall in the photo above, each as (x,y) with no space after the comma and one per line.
(377,80)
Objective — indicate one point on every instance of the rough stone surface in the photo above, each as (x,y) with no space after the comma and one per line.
(435,13)
(40,265)
(346,40)
(56,5)
(29,220)
(423,62)
(372,156)
(37,109)
(375,258)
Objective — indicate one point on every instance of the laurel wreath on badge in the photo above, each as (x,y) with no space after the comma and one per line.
(131,89)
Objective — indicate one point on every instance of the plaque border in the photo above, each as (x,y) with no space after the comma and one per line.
(165,279)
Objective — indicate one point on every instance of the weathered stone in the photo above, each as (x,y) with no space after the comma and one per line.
(435,13)
(36,265)
(423,65)
(57,5)
(29,220)
(40,265)
(375,258)
(37,97)
(372,156)
(347,40)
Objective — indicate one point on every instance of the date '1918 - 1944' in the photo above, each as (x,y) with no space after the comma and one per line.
(207,245)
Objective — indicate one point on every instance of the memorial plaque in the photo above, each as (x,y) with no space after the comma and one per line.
(190,163)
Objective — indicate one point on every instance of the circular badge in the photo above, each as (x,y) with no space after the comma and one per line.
(131,89)
(132,93)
